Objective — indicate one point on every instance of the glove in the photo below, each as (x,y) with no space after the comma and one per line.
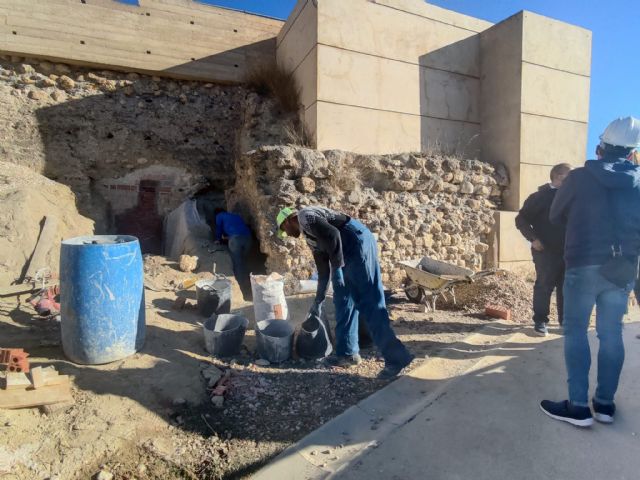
(338,278)
(314,311)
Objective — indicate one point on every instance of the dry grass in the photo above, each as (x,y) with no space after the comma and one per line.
(272,80)
(298,133)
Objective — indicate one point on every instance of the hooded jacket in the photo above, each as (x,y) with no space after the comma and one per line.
(599,204)
(533,220)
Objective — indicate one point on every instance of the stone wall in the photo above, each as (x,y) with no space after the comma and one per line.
(102,132)
(416,204)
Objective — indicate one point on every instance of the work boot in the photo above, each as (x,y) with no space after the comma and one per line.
(566,412)
(392,371)
(540,329)
(343,361)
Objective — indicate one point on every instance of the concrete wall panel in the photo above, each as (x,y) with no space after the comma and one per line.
(394,34)
(306,74)
(556,44)
(554,93)
(513,247)
(299,35)
(364,130)
(549,141)
(449,96)
(456,138)
(176,38)
(531,178)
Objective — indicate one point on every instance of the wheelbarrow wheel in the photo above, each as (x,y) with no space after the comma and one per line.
(414,292)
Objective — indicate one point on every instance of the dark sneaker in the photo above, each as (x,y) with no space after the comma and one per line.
(392,371)
(603,413)
(565,412)
(540,329)
(343,361)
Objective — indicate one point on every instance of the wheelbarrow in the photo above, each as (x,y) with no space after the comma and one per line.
(428,279)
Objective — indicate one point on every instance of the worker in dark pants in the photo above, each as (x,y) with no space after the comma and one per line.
(231,227)
(346,251)
(547,247)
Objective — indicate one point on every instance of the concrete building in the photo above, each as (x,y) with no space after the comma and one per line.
(377,76)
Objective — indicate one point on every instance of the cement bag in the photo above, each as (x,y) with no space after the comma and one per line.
(269,302)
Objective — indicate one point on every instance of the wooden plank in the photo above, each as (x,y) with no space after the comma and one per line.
(33,398)
(36,377)
(45,242)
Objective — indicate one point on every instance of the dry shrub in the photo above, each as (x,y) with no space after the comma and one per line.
(270,79)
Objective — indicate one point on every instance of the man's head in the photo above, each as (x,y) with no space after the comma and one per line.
(620,138)
(288,225)
(558,173)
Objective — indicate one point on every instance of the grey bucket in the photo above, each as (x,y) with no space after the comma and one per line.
(213,296)
(223,334)
(274,339)
(313,339)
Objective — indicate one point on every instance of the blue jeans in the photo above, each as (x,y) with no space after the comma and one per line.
(239,246)
(363,292)
(585,287)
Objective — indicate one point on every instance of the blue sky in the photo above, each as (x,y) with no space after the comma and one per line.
(615,74)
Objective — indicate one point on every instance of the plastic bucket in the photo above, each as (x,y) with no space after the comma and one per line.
(101,298)
(223,334)
(213,296)
(274,340)
(313,339)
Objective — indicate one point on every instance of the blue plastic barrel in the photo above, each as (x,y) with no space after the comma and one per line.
(101,298)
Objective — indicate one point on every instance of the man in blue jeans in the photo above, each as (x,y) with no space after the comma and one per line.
(232,228)
(346,251)
(600,206)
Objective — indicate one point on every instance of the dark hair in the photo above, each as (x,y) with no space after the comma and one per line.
(615,151)
(558,170)
(216,211)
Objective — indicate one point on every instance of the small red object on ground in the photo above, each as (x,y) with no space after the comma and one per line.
(496,311)
(15,358)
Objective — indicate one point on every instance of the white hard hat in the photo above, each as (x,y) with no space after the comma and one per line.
(622,132)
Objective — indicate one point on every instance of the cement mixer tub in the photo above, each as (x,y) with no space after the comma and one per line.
(274,339)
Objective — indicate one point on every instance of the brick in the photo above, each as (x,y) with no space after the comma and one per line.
(497,311)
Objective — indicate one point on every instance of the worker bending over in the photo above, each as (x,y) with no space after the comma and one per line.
(230,227)
(345,251)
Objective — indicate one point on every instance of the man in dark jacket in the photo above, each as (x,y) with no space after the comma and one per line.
(547,247)
(600,206)
(346,251)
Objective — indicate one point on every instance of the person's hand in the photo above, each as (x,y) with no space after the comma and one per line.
(338,278)
(314,311)
(537,245)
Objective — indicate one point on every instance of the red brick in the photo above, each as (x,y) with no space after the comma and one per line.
(497,311)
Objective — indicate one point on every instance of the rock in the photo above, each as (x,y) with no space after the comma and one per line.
(212,374)
(45,66)
(133,76)
(58,95)
(66,83)
(183,98)
(306,185)
(261,362)
(62,68)
(466,187)
(188,263)
(179,402)
(481,247)
(103,475)
(47,82)
(37,95)
(97,79)
(25,68)
(141,468)
(217,401)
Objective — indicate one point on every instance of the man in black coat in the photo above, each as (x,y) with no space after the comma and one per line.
(547,247)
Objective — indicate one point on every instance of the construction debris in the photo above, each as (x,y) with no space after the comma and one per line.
(44,387)
(15,359)
(188,263)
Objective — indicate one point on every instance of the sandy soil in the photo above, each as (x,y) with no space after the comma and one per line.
(149,416)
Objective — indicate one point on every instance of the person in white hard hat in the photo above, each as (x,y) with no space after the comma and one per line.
(600,206)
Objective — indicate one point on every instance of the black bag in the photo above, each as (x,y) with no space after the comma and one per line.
(619,271)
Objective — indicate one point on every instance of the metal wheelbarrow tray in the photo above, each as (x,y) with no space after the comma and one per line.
(428,279)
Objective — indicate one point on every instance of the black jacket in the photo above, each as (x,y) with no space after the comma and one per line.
(533,220)
(594,203)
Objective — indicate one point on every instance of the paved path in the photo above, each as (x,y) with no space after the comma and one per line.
(473,413)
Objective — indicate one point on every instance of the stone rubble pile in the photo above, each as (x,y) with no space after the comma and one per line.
(416,204)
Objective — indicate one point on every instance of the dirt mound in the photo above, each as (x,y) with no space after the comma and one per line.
(507,289)
(26,198)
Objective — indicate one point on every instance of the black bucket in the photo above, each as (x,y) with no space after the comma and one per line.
(313,339)
(213,296)
(223,334)
(274,339)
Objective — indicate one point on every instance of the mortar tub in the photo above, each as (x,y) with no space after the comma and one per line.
(101,298)
(213,296)
(223,334)
(274,339)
